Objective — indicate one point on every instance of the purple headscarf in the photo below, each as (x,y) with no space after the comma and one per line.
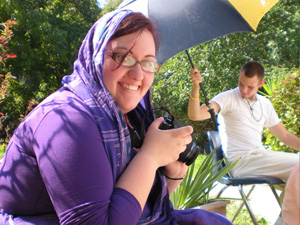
(86,81)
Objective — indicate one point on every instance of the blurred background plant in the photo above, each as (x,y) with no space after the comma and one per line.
(283,90)
(46,40)
(6,34)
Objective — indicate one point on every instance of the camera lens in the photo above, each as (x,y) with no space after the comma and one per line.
(190,154)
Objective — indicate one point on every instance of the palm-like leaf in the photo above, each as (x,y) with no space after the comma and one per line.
(195,188)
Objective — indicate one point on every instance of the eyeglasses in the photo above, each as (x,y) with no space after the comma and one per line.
(129,61)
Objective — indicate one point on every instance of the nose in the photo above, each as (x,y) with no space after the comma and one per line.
(246,90)
(136,72)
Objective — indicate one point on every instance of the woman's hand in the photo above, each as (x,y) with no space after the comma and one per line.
(160,148)
(164,146)
(175,170)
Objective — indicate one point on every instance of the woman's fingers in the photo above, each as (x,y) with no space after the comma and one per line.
(164,146)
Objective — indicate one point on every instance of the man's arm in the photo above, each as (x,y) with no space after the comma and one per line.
(195,111)
(285,136)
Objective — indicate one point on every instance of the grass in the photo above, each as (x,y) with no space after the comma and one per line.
(243,217)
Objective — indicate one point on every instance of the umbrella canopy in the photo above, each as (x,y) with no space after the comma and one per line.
(186,23)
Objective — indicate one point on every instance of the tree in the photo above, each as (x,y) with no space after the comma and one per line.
(111,5)
(46,41)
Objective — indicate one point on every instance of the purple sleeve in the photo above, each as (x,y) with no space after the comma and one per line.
(77,173)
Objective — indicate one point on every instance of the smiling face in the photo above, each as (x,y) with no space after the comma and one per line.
(128,85)
(248,86)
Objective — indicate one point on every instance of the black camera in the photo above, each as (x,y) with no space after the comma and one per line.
(192,150)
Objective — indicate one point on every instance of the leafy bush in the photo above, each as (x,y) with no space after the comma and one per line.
(6,78)
(46,41)
(282,88)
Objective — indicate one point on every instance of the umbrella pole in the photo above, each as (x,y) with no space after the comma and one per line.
(210,109)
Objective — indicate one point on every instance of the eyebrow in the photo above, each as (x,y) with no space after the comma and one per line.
(129,51)
(245,85)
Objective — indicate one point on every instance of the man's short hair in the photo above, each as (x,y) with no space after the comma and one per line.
(252,69)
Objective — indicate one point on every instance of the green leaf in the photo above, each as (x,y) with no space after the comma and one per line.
(198,183)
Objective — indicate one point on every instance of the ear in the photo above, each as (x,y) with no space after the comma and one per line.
(261,83)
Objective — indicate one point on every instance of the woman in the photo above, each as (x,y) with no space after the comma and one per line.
(92,152)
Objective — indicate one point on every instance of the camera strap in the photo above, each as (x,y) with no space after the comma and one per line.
(136,137)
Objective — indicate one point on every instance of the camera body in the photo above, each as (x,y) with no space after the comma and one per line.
(192,150)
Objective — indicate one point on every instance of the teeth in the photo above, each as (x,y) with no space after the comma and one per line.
(130,87)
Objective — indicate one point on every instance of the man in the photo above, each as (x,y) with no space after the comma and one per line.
(242,115)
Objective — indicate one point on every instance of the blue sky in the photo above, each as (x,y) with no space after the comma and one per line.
(102,2)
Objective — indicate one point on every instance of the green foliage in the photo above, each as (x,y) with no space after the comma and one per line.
(5,76)
(2,150)
(46,41)
(111,5)
(198,182)
(273,82)
(5,37)
(284,93)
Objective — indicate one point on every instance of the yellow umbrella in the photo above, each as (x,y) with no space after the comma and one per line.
(253,10)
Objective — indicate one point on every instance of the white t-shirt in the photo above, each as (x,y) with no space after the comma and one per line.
(241,128)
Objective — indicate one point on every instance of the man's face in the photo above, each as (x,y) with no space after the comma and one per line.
(248,86)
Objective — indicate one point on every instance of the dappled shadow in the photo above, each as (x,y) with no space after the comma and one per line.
(35,153)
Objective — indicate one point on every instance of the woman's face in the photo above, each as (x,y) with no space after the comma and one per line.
(128,85)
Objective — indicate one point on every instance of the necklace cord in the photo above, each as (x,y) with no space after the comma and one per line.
(252,109)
